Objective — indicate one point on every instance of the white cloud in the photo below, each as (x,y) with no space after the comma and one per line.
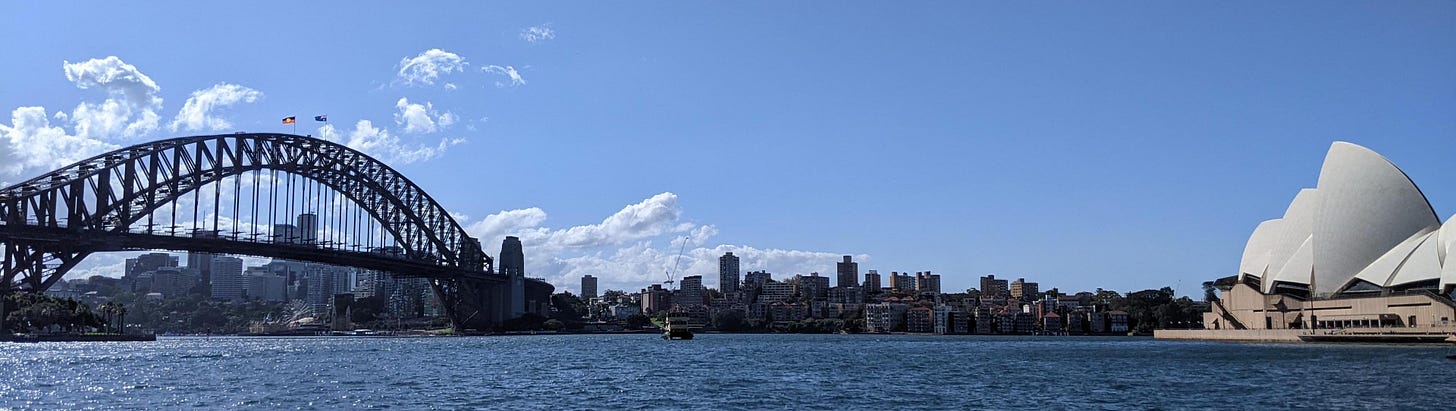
(422,118)
(651,217)
(130,109)
(385,146)
(31,145)
(497,226)
(414,117)
(622,251)
(537,34)
(197,112)
(428,66)
(508,71)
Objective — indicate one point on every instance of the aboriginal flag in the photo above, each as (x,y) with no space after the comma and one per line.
(288,120)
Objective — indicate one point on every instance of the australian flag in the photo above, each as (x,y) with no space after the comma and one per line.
(324,117)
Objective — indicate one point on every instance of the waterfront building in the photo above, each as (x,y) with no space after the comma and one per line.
(1362,248)
(774,291)
(1076,322)
(872,282)
(949,320)
(621,312)
(690,291)
(885,317)
(1051,323)
(655,298)
(1022,288)
(227,278)
(757,311)
(994,287)
(848,272)
(728,272)
(1117,322)
(588,287)
(1025,323)
(919,320)
(983,320)
(812,286)
(1006,322)
(786,311)
(1097,323)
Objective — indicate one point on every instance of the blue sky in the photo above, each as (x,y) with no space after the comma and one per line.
(1121,145)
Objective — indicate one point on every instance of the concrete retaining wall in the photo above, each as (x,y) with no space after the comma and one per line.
(1287,335)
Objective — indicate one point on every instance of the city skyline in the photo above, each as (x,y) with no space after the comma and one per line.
(1096,146)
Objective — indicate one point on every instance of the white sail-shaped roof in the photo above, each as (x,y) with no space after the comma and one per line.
(1297,269)
(1383,269)
(1447,249)
(1294,231)
(1423,264)
(1367,206)
(1256,251)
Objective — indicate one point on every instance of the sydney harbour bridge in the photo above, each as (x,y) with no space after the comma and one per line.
(237,194)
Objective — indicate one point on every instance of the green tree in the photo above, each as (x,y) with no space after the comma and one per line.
(637,321)
(730,320)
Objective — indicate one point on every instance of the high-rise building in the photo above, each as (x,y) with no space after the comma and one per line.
(285,234)
(690,291)
(201,263)
(227,278)
(902,282)
(588,287)
(925,282)
(655,298)
(992,287)
(1021,287)
(812,286)
(308,228)
(264,285)
(149,262)
(872,282)
(728,273)
(172,282)
(848,272)
(756,279)
(513,266)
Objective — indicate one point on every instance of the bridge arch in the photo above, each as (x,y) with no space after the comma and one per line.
(49,223)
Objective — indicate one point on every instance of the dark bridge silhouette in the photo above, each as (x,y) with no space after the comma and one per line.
(237,194)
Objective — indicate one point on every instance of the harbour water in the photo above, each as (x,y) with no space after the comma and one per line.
(718,371)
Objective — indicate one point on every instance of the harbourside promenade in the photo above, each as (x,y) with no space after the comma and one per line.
(1357,334)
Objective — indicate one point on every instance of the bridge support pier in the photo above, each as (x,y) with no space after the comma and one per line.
(469,304)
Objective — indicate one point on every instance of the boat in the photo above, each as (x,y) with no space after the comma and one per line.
(677,328)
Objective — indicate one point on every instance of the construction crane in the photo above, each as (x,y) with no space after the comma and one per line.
(671,275)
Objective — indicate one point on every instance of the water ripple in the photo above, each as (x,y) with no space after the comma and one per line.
(719,372)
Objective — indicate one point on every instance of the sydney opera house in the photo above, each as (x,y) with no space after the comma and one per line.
(1361,251)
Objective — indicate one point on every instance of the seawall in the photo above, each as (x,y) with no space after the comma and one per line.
(1286,335)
